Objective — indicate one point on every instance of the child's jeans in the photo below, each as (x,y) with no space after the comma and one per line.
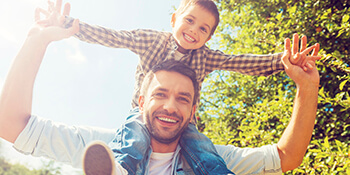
(133,140)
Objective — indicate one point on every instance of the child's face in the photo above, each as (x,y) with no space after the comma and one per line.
(192,28)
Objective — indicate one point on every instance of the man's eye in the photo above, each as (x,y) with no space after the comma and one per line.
(184,100)
(159,95)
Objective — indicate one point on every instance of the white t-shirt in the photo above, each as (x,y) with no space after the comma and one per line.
(161,163)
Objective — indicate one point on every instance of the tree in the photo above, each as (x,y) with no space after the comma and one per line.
(253,111)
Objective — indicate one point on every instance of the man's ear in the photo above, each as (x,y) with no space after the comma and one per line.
(193,112)
(141,103)
(173,20)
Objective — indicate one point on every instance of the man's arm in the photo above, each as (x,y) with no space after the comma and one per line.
(296,137)
(16,95)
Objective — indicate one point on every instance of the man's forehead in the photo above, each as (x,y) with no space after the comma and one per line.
(172,80)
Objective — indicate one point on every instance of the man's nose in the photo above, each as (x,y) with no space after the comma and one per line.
(170,105)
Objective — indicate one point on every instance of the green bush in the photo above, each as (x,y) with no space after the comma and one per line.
(253,111)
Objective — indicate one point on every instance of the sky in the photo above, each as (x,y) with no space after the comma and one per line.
(80,83)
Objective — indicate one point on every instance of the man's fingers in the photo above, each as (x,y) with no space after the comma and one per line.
(66,9)
(303,43)
(295,44)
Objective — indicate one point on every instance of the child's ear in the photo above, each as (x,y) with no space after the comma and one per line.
(141,103)
(173,19)
(208,38)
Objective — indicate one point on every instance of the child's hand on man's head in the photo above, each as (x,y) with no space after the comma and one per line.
(301,58)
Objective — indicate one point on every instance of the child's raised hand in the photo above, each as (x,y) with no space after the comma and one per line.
(301,58)
(53,14)
(51,28)
(299,75)
(48,34)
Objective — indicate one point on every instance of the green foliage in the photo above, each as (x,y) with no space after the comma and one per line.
(16,169)
(253,111)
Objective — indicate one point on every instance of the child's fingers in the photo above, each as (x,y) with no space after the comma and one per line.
(66,9)
(303,43)
(307,50)
(43,22)
(317,48)
(75,27)
(295,44)
(39,11)
(313,58)
(51,6)
(286,55)
(58,6)
(287,44)
(309,65)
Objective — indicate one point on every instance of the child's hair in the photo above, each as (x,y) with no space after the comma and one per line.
(206,4)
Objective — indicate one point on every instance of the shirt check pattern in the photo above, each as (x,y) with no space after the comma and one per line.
(154,47)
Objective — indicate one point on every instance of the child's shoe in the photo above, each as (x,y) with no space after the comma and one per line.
(98,159)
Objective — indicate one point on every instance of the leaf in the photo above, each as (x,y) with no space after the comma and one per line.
(345,18)
(326,143)
(341,85)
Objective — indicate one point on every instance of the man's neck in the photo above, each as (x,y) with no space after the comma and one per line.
(162,147)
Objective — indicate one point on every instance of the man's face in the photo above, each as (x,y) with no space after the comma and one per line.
(192,28)
(167,106)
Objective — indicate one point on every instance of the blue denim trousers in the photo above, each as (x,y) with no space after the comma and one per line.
(132,141)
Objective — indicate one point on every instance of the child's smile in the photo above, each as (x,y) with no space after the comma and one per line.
(192,28)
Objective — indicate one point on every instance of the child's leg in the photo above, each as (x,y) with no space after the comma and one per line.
(98,159)
(131,143)
(200,153)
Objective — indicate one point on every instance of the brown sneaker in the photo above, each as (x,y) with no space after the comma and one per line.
(98,159)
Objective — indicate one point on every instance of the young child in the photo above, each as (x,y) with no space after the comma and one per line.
(193,24)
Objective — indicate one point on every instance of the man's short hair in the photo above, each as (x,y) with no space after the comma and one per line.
(208,5)
(171,66)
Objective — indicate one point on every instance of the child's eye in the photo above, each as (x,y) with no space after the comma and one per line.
(189,20)
(203,29)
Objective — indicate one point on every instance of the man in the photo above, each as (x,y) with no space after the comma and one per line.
(166,106)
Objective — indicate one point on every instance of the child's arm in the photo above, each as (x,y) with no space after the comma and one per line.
(262,65)
(16,95)
(138,41)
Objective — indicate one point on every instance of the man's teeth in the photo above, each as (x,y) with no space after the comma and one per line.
(189,38)
(167,120)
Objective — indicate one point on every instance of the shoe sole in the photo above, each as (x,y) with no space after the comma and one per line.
(98,159)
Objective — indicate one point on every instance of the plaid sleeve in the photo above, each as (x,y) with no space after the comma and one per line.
(248,64)
(135,40)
